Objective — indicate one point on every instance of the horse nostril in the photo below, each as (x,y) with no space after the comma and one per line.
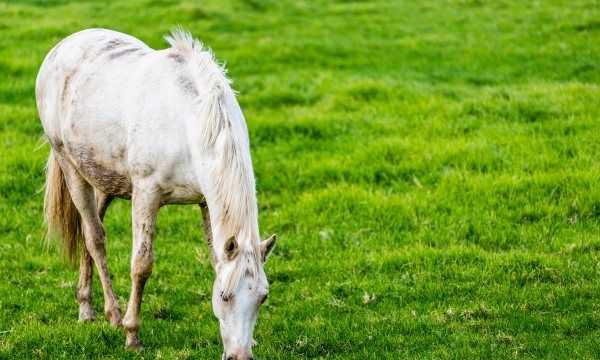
(230,358)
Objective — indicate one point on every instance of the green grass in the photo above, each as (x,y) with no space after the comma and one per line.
(431,168)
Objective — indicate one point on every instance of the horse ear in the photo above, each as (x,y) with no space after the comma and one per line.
(231,248)
(267,246)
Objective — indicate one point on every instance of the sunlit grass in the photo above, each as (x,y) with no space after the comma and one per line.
(431,169)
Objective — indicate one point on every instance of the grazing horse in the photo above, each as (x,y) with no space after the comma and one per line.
(157,127)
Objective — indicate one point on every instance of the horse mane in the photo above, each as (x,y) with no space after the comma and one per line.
(223,131)
(211,75)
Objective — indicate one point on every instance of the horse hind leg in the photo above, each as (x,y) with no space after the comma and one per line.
(85,292)
(82,195)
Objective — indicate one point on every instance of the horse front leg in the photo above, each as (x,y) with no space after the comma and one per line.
(144,208)
(208,231)
(85,292)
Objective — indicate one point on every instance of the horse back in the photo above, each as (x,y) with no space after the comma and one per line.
(104,101)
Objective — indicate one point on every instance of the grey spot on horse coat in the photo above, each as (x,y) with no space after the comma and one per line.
(104,179)
(113,44)
(66,83)
(178,58)
(188,85)
(122,52)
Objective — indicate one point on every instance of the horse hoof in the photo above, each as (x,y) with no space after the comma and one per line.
(114,316)
(86,313)
(132,341)
(83,318)
(138,348)
(115,320)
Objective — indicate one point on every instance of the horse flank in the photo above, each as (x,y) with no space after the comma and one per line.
(224,133)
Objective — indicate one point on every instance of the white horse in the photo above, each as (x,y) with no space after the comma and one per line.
(157,127)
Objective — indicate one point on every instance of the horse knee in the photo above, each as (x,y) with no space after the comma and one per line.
(141,266)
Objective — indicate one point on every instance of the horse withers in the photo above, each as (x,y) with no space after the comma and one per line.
(157,127)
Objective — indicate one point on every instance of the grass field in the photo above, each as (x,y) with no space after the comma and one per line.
(431,168)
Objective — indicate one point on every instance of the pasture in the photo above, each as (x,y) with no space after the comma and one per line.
(432,170)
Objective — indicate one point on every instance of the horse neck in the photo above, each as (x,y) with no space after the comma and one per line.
(230,184)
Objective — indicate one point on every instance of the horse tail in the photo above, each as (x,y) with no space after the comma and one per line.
(62,218)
